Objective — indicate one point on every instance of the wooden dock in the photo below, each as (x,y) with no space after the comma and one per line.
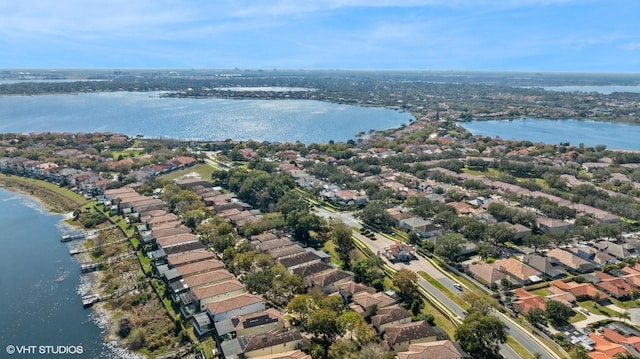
(91,299)
(74,251)
(72,237)
(88,267)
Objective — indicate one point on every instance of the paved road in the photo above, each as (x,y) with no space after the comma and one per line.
(519,334)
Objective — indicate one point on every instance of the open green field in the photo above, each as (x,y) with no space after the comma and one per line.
(204,170)
(54,197)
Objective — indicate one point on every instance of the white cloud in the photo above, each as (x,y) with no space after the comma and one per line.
(632,46)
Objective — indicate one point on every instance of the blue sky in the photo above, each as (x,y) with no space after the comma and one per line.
(530,35)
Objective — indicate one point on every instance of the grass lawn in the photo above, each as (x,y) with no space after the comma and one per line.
(330,248)
(441,321)
(576,317)
(53,196)
(207,345)
(522,352)
(204,170)
(627,304)
(590,306)
(543,292)
(490,172)
(453,296)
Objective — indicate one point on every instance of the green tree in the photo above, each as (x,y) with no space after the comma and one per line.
(302,305)
(323,324)
(405,281)
(375,215)
(579,352)
(449,245)
(500,233)
(413,237)
(481,334)
(557,313)
(536,242)
(479,303)
(343,348)
(373,351)
(341,234)
(536,317)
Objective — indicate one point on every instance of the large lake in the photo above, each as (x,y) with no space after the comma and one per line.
(591,133)
(201,119)
(40,283)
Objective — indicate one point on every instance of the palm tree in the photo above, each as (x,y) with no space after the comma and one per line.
(624,315)
(537,355)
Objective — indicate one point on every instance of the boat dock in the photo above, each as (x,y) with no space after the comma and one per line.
(91,299)
(89,267)
(76,250)
(72,237)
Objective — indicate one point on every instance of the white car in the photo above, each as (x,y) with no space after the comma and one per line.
(457,286)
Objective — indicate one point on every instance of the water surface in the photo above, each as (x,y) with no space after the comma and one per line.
(591,133)
(200,119)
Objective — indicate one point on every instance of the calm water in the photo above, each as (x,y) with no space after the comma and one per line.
(202,119)
(40,282)
(606,90)
(591,133)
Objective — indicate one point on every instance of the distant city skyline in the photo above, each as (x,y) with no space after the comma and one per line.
(510,35)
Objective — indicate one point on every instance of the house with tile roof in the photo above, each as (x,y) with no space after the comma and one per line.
(570,261)
(366,303)
(255,346)
(440,349)
(548,267)
(486,273)
(295,354)
(329,281)
(614,286)
(518,272)
(526,301)
(397,338)
(604,349)
(562,296)
(242,304)
(270,320)
(582,291)
(390,316)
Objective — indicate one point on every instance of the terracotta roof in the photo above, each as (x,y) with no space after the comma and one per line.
(486,272)
(352,288)
(296,354)
(604,348)
(441,349)
(389,315)
(396,334)
(266,340)
(517,269)
(189,257)
(217,289)
(527,301)
(239,301)
(324,279)
(367,300)
(216,276)
(199,267)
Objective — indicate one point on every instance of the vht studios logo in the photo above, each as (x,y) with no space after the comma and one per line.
(45,349)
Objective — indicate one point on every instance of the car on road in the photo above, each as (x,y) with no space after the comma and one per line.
(457,286)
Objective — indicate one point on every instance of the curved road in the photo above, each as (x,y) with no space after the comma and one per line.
(519,334)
